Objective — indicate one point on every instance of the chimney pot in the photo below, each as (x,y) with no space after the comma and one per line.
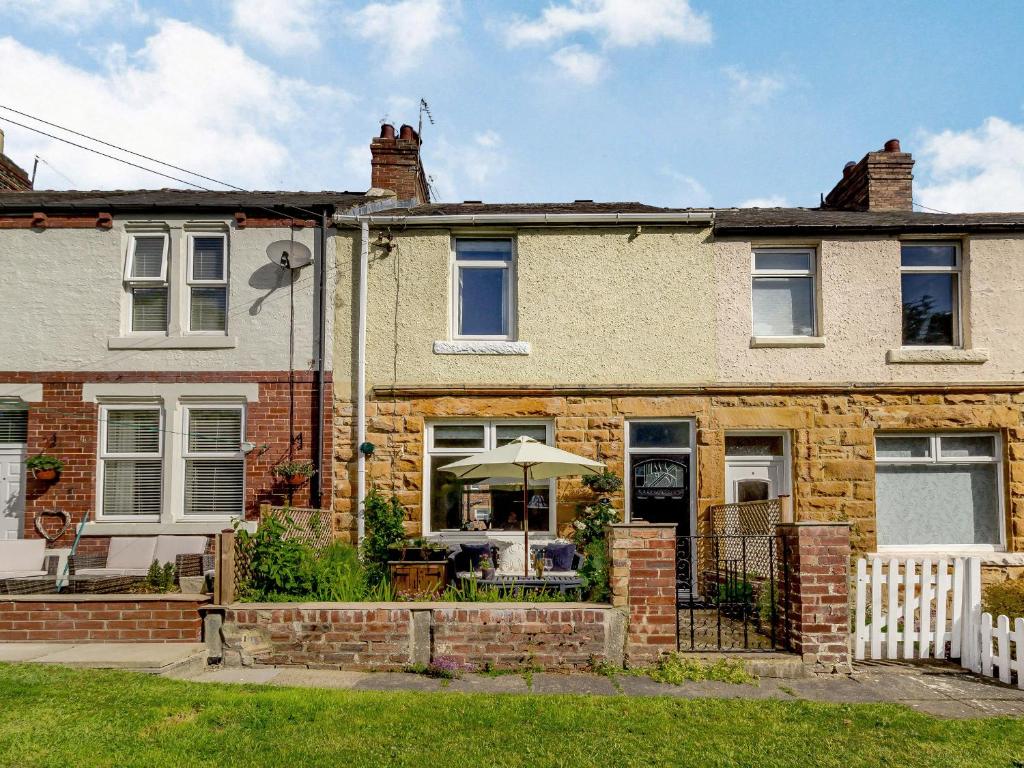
(407,133)
(892,145)
(387,131)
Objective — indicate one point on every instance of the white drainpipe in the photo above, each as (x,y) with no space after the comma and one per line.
(364,267)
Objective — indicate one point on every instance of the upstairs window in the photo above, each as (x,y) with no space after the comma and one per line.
(145,277)
(214,462)
(783,292)
(482,285)
(208,283)
(930,288)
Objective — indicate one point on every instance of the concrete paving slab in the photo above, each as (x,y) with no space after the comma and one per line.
(836,690)
(398,681)
(489,684)
(899,687)
(544,682)
(319,678)
(12,652)
(238,675)
(148,656)
(630,685)
(963,686)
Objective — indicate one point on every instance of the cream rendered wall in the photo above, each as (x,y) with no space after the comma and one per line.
(62,296)
(597,306)
(861,316)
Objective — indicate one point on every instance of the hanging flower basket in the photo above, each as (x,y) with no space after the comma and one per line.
(45,468)
(294,473)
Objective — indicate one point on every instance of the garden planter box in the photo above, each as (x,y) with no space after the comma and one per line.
(418,578)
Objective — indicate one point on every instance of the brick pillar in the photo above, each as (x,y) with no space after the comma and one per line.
(816,595)
(643,582)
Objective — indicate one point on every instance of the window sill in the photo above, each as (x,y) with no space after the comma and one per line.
(466,347)
(172,342)
(154,529)
(926,355)
(787,342)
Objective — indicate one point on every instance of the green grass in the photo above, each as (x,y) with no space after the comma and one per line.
(62,717)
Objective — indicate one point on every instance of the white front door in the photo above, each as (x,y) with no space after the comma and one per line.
(12,491)
(750,480)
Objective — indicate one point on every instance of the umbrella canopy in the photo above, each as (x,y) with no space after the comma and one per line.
(529,459)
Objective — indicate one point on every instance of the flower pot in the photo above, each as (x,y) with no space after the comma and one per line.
(295,480)
(487,573)
(47,475)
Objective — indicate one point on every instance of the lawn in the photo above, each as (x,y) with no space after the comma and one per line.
(62,717)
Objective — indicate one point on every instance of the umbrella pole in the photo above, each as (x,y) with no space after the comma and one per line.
(526,523)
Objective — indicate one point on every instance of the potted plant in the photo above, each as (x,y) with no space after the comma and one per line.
(45,467)
(486,567)
(294,473)
(603,483)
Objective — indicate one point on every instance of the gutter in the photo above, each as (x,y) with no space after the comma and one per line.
(470,219)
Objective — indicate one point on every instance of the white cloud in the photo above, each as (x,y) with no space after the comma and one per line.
(283,26)
(772,201)
(578,64)
(70,15)
(979,169)
(406,30)
(615,23)
(187,97)
(691,193)
(753,88)
(461,171)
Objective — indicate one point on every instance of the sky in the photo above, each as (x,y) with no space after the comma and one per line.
(668,102)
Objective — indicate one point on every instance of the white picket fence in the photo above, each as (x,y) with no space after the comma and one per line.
(932,609)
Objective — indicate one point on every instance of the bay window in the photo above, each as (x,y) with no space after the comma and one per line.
(492,504)
(939,491)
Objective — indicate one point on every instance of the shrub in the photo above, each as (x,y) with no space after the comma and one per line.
(1005,598)
(384,519)
(277,565)
(160,578)
(592,523)
(605,482)
(590,534)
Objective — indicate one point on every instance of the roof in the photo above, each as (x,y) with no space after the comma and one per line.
(580,206)
(172,199)
(806,220)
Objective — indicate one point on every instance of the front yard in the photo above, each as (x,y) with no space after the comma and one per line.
(61,717)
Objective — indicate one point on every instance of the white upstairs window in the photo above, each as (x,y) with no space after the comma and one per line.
(483,289)
(145,277)
(208,283)
(783,292)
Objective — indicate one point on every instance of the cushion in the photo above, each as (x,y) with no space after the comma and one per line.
(131,552)
(111,571)
(561,555)
(169,547)
(469,558)
(22,554)
(20,574)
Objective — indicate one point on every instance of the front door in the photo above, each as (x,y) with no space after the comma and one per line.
(660,490)
(755,467)
(12,491)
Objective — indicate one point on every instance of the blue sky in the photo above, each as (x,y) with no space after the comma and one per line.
(664,101)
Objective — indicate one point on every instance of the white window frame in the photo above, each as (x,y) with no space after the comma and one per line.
(509,299)
(163,281)
(103,457)
(764,461)
(179,514)
(192,282)
(811,272)
(956,269)
(935,457)
(490,441)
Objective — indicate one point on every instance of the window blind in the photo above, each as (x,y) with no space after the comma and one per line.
(13,426)
(149,309)
(148,261)
(209,309)
(133,431)
(132,486)
(214,486)
(208,258)
(214,430)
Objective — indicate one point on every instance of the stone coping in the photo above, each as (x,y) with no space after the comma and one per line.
(120,597)
(413,606)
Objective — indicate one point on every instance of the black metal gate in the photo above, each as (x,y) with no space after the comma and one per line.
(731,592)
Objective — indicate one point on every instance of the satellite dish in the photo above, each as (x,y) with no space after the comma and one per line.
(289,254)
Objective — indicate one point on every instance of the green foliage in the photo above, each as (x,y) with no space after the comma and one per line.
(290,468)
(384,519)
(470,592)
(676,669)
(605,482)
(736,591)
(1005,598)
(592,523)
(160,578)
(42,461)
(593,571)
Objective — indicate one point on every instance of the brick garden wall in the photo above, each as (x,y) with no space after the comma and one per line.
(64,426)
(832,442)
(395,635)
(101,618)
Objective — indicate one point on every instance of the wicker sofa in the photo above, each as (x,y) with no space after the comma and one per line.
(22,563)
(128,558)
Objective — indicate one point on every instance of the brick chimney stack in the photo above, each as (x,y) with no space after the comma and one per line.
(881,181)
(395,164)
(13,178)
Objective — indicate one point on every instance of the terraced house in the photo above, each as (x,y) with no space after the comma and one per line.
(862,358)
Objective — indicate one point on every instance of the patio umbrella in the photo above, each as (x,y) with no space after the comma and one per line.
(535,461)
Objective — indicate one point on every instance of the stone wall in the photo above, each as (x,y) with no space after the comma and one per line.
(101,618)
(392,636)
(832,438)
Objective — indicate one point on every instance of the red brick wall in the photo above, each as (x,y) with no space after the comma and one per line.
(643,581)
(64,426)
(817,592)
(108,619)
